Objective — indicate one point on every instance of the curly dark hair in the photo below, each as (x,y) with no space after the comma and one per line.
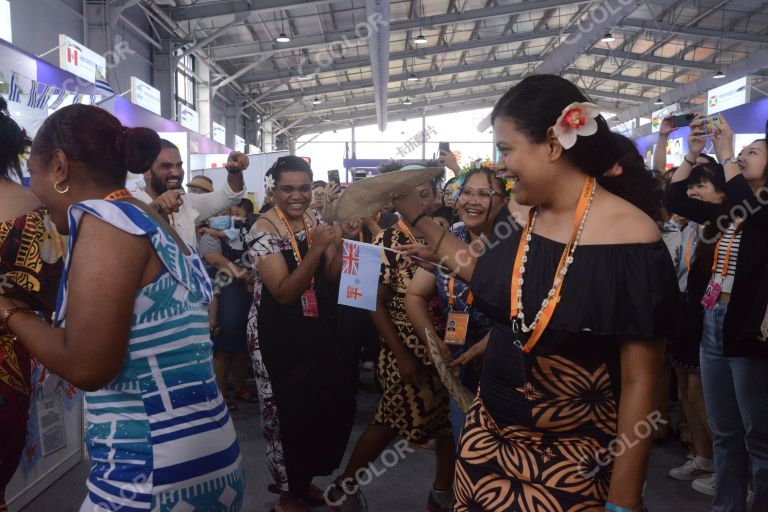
(14,143)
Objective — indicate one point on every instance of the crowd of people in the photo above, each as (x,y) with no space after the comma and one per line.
(559,286)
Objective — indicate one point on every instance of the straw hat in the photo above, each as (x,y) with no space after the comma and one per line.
(366,197)
(201,183)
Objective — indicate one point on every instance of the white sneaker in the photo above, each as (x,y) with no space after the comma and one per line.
(339,498)
(705,485)
(695,467)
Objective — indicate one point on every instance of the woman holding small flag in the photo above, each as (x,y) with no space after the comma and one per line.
(305,392)
(414,402)
(581,299)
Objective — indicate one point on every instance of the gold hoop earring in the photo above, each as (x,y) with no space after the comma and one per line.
(56,188)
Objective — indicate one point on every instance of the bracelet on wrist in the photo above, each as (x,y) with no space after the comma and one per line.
(10,312)
(615,508)
(417,219)
(439,242)
(692,163)
(729,160)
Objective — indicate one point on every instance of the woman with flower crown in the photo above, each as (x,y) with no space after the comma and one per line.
(581,299)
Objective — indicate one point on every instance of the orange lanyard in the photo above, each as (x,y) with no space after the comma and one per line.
(727,260)
(362,238)
(451,296)
(118,194)
(546,314)
(688,252)
(405,229)
(294,242)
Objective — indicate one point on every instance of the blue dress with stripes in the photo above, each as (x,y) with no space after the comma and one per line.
(159,435)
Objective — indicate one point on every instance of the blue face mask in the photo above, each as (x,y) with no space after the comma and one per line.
(220,223)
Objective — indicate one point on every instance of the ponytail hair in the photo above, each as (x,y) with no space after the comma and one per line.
(99,142)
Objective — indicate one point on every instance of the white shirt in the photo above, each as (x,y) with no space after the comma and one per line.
(196,208)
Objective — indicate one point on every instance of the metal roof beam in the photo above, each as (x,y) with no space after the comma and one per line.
(486,66)
(225,7)
(698,32)
(414,94)
(250,49)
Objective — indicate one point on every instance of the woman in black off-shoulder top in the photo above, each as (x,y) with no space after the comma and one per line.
(565,412)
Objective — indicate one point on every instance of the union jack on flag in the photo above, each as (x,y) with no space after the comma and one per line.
(350,259)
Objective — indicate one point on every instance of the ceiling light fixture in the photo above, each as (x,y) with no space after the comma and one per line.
(719,74)
(658,101)
(407,102)
(420,39)
(317,101)
(608,38)
(413,78)
(282,38)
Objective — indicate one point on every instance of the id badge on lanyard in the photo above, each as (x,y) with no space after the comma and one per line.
(309,306)
(456,328)
(712,293)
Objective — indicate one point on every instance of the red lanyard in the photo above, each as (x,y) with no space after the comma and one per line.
(727,260)
(294,242)
(118,194)
(405,229)
(451,296)
(548,311)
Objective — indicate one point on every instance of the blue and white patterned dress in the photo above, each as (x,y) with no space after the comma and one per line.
(159,434)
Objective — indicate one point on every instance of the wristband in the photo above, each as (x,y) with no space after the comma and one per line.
(417,219)
(10,312)
(693,164)
(615,508)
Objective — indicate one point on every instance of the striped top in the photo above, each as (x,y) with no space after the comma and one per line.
(730,238)
(159,435)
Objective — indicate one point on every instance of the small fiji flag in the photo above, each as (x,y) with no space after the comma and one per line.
(360,267)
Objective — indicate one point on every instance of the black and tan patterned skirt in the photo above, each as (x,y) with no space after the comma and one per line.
(518,469)
(417,413)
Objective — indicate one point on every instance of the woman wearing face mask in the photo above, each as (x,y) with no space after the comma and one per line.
(130,326)
(482,195)
(414,402)
(230,276)
(730,280)
(581,301)
(306,394)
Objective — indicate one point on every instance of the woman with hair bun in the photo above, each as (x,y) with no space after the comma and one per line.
(30,269)
(306,392)
(581,299)
(131,327)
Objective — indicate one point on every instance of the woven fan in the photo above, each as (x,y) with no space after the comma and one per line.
(449,376)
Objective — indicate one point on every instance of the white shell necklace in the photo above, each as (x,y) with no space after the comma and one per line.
(553,296)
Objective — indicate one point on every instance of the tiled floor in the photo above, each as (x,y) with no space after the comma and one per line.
(403,488)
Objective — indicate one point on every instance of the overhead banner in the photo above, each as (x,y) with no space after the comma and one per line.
(188,118)
(239,144)
(219,133)
(728,96)
(81,61)
(5,21)
(144,95)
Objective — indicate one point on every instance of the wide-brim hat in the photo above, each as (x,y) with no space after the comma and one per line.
(366,197)
(201,183)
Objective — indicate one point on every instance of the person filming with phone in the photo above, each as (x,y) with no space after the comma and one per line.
(729,279)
